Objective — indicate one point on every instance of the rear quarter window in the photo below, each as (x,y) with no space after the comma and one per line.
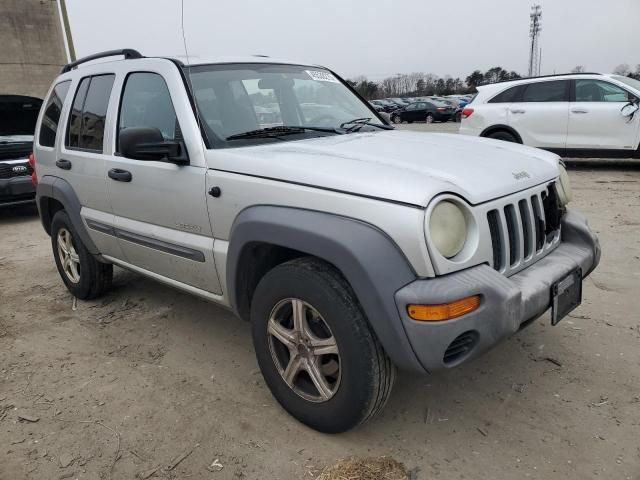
(510,95)
(51,116)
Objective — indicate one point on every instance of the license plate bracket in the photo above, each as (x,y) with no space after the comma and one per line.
(566,296)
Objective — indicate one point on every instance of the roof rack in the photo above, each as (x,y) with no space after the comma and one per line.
(540,76)
(128,54)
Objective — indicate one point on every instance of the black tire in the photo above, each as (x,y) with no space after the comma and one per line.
(94,276)
(429,118)
(366,373)
(396,119)
(504,136)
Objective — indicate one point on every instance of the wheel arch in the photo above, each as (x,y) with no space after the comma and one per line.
(54,194)
(373,265)
(501,128)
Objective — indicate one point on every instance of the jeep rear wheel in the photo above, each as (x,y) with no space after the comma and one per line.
(83,275)
(316,351)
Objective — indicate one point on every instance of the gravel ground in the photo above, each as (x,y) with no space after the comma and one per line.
(152,382)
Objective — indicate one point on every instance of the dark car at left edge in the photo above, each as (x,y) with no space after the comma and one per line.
(18,116)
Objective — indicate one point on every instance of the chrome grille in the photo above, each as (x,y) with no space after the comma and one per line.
(9,170)
(519,235)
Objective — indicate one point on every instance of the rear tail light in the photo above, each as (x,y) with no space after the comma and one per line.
(466,112)
(441,109)
(32,164)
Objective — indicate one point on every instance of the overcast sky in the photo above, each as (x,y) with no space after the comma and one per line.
(372,37)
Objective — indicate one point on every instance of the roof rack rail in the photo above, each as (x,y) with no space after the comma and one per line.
(539,76)
(128,54)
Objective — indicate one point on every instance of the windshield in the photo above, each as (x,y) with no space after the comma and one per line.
(234,99)
(632,82)
(18,117)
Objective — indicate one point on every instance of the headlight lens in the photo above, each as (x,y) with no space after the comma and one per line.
(448,228)
(565,195)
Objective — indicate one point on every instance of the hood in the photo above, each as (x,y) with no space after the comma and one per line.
(18,114)
(401,166)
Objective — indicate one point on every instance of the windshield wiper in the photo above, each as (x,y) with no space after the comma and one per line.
(275,132)
(358,123)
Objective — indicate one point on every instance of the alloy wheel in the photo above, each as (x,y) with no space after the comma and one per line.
(68,256)
(304,350)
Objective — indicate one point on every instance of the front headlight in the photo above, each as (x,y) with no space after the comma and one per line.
(448,228)
(565,195)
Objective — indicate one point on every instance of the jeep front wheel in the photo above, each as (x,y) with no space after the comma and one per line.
(316,351)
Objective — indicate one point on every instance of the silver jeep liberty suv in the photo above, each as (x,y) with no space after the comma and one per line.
(272,188)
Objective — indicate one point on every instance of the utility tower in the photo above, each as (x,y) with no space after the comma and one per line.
(535,27)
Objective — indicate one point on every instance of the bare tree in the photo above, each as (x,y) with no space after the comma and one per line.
(622,69)
(578,69)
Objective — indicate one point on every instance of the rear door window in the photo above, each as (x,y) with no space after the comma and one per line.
(88,114)
(554,91)
(51,116)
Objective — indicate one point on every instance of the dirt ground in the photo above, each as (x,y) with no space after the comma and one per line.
(149,382)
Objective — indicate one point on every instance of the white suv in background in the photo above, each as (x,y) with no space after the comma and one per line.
(578,114)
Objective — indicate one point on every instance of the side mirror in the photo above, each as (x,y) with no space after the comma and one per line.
(629,110)
(145,143)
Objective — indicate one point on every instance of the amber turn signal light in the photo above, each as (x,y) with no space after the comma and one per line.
(445,311)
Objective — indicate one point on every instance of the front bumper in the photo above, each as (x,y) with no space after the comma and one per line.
(508,303)
(16,190)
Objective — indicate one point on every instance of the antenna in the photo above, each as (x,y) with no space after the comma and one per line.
(184,37)
(535,27)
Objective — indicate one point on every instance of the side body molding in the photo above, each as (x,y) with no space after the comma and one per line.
(370,261)
(60,190)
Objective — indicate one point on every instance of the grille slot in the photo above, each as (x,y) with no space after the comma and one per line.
(512,228)
(539,222)
(494,228)
(517,230)
(527,229)
(460,347)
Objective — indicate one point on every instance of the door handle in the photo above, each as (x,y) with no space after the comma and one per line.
(518,111)
(63,164)
(119,175)
(579,110)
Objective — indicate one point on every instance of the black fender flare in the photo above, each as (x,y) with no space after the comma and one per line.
(507,128)
(62,191)
(371,262)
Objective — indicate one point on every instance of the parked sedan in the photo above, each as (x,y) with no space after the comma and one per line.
(385,105)
(423,112)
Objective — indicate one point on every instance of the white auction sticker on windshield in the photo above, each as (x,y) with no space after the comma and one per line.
(322,76)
